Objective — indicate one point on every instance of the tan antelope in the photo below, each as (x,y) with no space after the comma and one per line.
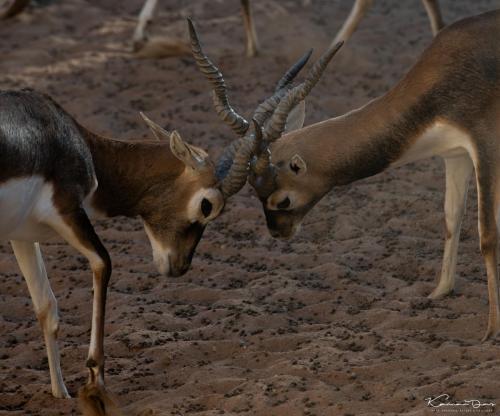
(448,104)
(56,175)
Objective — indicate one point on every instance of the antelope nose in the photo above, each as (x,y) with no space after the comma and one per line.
(179,269)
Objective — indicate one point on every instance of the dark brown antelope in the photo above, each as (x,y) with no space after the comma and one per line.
(448,104)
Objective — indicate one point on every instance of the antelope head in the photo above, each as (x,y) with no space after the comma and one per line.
(201,190)
(285,178)
(285,185)
(176,216)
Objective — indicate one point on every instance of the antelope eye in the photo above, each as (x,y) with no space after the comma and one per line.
(284,204)
(206,207)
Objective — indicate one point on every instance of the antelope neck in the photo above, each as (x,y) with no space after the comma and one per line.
(127,170)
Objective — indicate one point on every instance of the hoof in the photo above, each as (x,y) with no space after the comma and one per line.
(491,332)
(61,394)
(439,293)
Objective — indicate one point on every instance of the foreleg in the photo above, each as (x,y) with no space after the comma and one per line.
(29,258)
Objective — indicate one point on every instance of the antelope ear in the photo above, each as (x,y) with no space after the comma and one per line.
(158,131)
(191,156)
(298,165)
(295,119)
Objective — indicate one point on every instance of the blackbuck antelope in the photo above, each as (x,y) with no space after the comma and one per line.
(56,174)
(448,105)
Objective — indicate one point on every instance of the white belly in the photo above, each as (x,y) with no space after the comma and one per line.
(440,139)
(26,206)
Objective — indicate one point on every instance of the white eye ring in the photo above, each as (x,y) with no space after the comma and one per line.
(195,206)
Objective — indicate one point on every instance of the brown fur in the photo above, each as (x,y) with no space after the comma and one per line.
(443,84)
(131,187)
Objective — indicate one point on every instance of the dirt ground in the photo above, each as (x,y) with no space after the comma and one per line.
(333,322)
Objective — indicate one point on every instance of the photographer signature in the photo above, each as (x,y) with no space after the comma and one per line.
(443,401)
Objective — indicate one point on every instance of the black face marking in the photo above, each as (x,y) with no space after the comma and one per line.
(284,204)
(206,207)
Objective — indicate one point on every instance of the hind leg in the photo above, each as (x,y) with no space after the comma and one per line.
(458,173)
(488,205)
(29,258)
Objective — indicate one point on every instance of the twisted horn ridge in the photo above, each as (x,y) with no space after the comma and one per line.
(226,159)
(277,123)
(262,113)
(237,172)
(221,102)
(266,108)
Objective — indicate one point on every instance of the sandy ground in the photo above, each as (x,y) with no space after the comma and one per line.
(334,322)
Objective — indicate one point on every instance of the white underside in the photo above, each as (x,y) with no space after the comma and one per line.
(441,139)
(26,208)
